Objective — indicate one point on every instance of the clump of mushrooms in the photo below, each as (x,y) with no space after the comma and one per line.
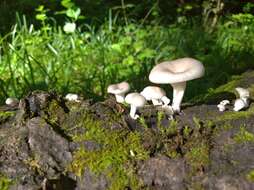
(119,90)
(136,100)
(243,101)
(177,73)
(155,94)
(222,105)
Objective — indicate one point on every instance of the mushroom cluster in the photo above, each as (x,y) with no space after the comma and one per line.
(240,103)
(176,73)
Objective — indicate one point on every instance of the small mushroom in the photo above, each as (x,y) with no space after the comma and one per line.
(240,104)
(136,100)
(177,73)
(155,94)
(11,101)
(243,101)
(243,93)
(119,90)
(72,97)
(222,105)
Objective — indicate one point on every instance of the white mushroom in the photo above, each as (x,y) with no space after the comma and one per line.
(11,101)
(136,100)
(72,97)
(222,105)
(119,90)
(155,94)
(243,101)
(176,73)
(240,104)
(243,93)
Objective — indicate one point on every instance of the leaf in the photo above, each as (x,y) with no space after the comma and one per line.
(73,13)
(129,60)
(67,4)
(41,17)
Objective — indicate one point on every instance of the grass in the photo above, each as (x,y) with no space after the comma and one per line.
(90,59)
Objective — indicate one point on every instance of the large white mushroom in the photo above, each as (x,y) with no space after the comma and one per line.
(136,100)
(119,90)
(177,73)
(155,94)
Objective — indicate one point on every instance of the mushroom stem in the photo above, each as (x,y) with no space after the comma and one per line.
(120,98)
(133,112)
(178,92)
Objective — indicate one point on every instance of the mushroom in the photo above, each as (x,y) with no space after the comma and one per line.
(177,73)
(72,97)
(119,90)
(11,101)
(156,94)
(136,100)
(243,93)
(243,101)
(240,104)
(222,105)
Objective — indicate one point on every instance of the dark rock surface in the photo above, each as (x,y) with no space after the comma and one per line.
(49,143)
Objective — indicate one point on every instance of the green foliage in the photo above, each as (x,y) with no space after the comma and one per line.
(4,115)
(250,176)
(115,157)
(198,157)
(5,182)
(244,136)
(86,58)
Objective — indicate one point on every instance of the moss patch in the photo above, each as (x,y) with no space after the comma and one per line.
(5,115)
(198,157)
(116,156)
(244,136)
(236,115)
(250,176)
(5,182)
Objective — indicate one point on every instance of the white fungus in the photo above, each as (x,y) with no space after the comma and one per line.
(242,102)
(136,100)
(155,94)
(177,73)
(119,90)
(11,101)
(222,105)
(72,97)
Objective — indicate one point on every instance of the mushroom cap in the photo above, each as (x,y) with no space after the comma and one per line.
(119,88)
(11,101)
(153,92)
(243,93)
(176,71)
(224,102)
(135,99)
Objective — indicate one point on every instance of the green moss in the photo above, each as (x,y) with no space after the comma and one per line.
(244,136)
(250,176)
(5,182)
(116,156)
(236,115)
(198,157)
(5,115)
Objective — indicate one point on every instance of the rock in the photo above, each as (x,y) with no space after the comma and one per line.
(163,173)
(49,148)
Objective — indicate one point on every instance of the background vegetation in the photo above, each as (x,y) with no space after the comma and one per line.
(83,46)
